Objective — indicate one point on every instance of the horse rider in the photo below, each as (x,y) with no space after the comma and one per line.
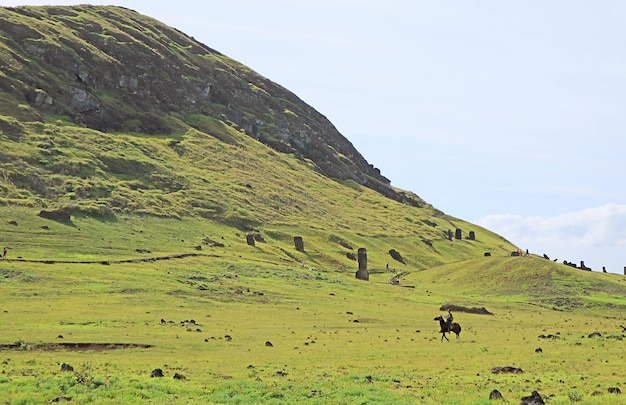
(449,318)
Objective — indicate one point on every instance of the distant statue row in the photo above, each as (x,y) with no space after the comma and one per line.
(458,234)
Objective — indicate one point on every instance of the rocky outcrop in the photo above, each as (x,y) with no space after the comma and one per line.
(114,70)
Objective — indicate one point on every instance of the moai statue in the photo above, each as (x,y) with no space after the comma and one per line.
(458,234)
(472,235)
(250,239)
(362,273)
(449,234)
(299,243)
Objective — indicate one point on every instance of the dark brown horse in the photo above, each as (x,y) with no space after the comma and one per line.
(455,327)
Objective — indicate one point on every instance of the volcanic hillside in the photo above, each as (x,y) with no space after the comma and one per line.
(105,112)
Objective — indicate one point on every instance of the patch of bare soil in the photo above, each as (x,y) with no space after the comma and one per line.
(97,347)
(460,308)
(108,262)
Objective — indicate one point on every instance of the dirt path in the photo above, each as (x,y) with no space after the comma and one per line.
(138,260)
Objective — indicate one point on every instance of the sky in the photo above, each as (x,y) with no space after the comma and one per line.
(509,115)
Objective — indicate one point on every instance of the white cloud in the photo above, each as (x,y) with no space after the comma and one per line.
(595,235)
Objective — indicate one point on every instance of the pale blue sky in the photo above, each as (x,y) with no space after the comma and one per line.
(507,114)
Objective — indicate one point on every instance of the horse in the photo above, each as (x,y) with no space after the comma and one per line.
(455,327)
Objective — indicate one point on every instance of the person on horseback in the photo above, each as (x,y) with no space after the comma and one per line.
(449,319)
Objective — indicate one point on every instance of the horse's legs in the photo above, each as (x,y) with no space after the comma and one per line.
(443,335)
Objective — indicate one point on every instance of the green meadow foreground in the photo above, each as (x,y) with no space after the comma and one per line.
(227,328)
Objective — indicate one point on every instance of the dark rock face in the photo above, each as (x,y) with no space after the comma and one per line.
(150,70)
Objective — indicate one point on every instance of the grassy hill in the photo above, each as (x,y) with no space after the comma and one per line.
(152,267)
(199,186)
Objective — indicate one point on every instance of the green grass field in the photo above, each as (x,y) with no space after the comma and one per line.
(154,270)
(334,339)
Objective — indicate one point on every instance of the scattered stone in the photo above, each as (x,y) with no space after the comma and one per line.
(60,337)
(495,395)
(396,256)
(281,373)
(157,372)
(61,399)
(46,227)
(67,367)
(614,390)
(595,334)
(549,336)
(346,245)
(211,243)
(315,392)
(178,376)
(506,369)
(538,350)
(368,378)
(533,399)
(56,215)
(13,223)
(268,343)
